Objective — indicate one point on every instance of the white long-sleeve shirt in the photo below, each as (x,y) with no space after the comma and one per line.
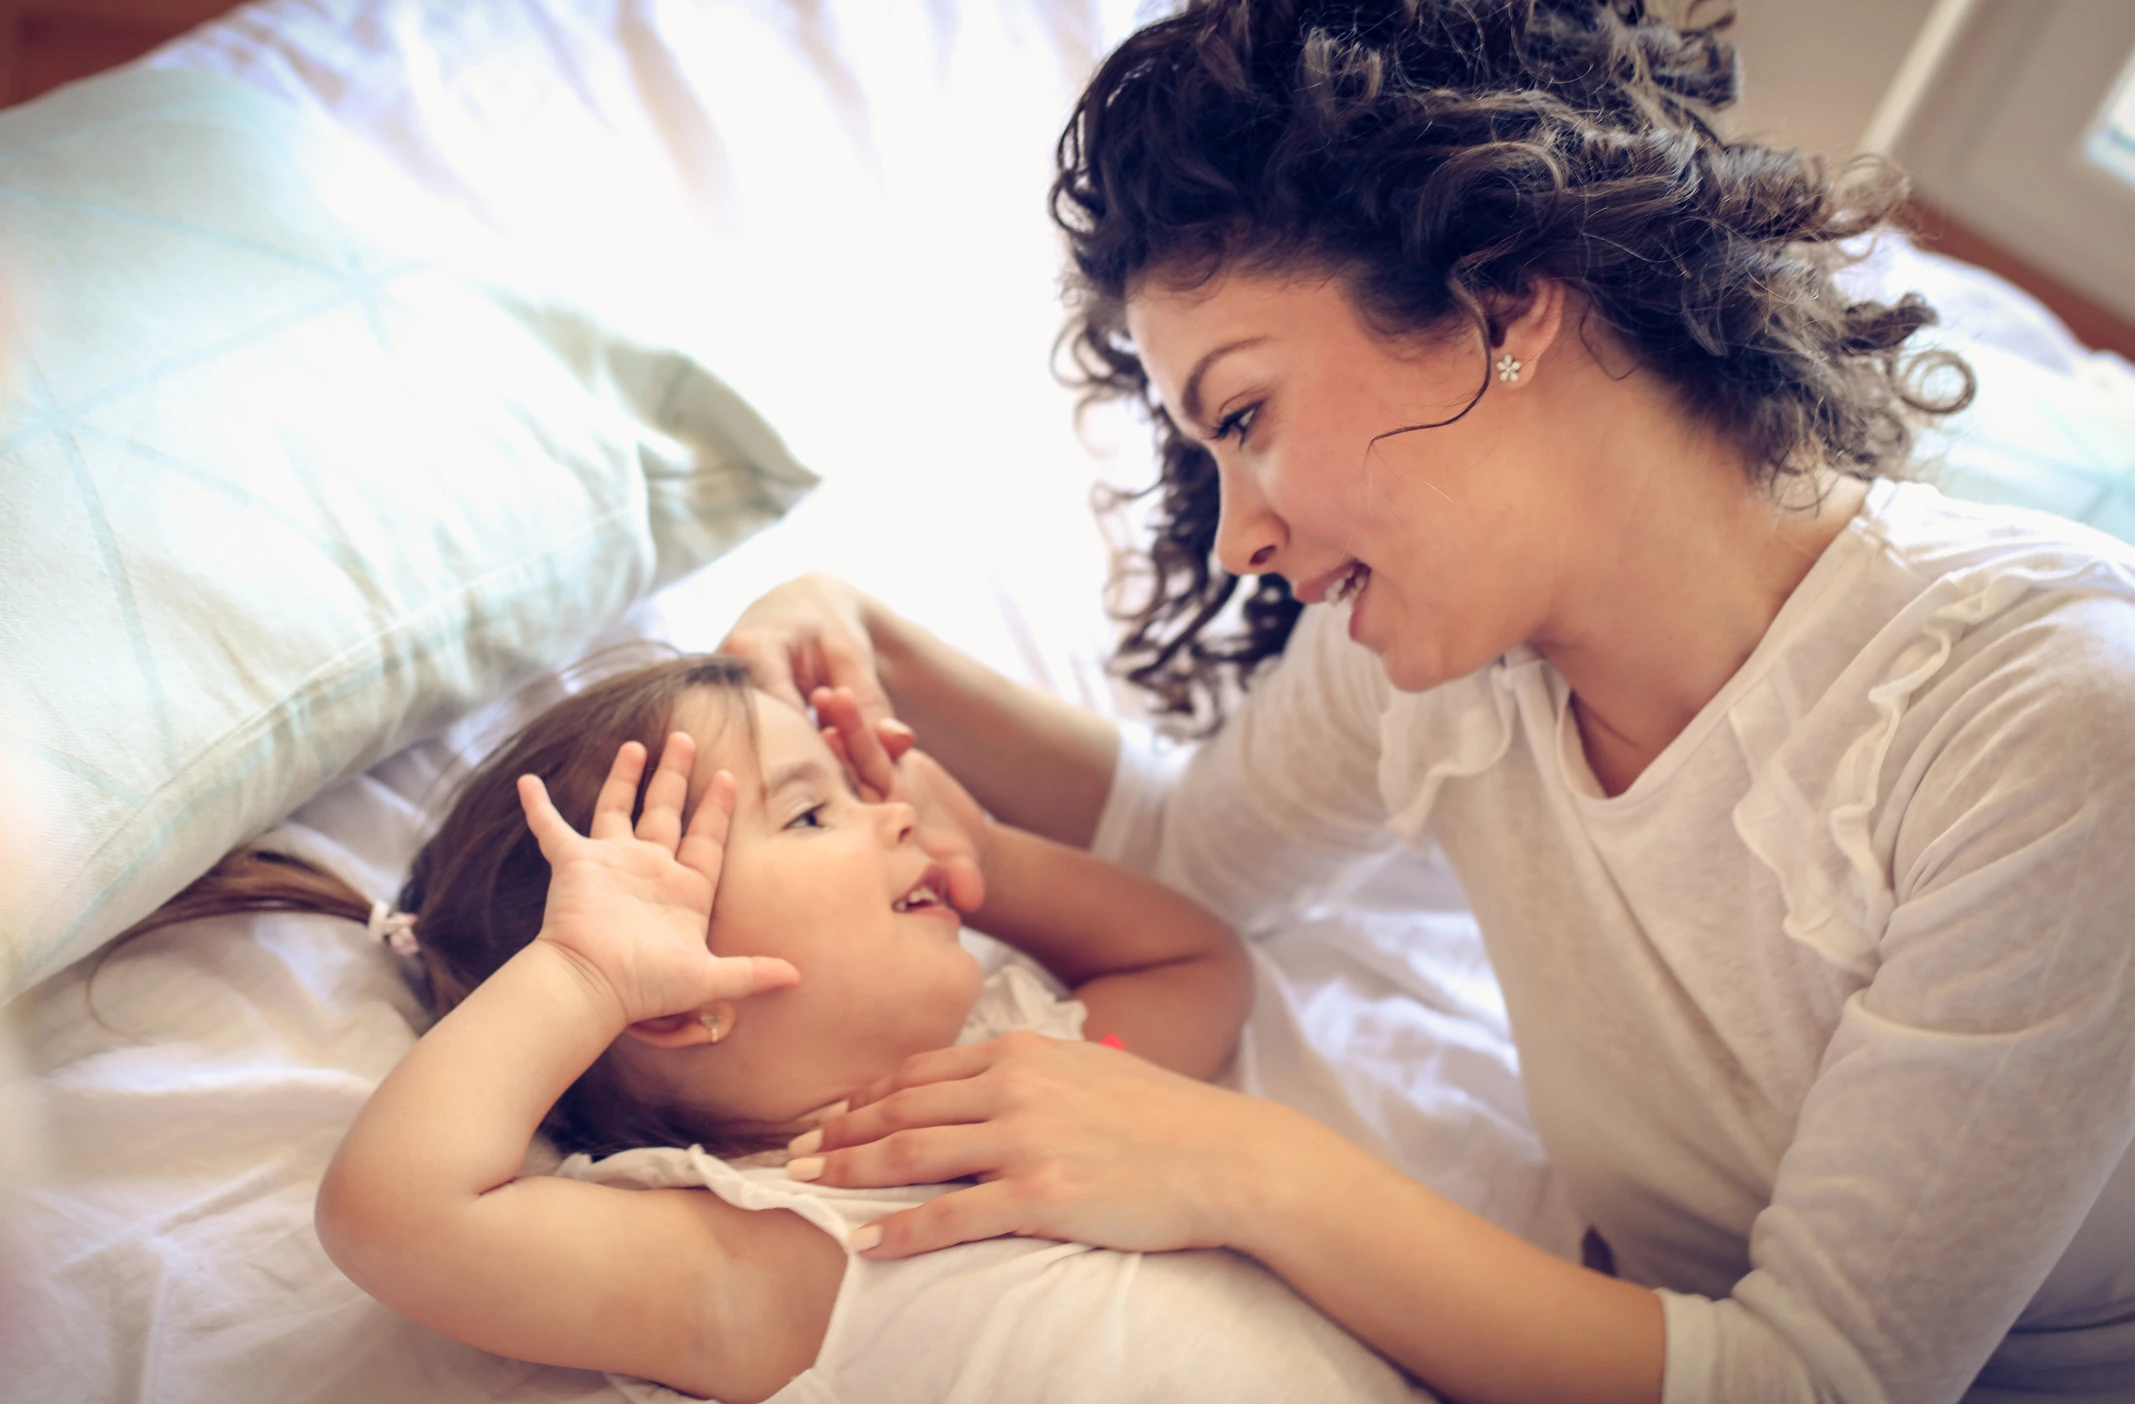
(1828,1020)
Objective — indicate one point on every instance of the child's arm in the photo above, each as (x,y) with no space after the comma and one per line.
(421,1208)
(1154,968)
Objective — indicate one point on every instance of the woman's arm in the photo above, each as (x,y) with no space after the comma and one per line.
(1033,760)
(1155,970)
(1086,1146)
(421,1207)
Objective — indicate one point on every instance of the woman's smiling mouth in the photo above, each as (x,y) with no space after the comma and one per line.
(1336,586)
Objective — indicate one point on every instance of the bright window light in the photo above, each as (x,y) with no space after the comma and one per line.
(2112,141)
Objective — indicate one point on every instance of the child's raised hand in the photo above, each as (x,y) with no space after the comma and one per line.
(634,904)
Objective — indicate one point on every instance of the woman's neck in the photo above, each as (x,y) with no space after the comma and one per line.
(1680,589)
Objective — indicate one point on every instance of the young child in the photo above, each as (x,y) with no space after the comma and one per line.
(708,953)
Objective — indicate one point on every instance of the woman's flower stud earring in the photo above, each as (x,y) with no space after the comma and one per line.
(715,1024)
(1508,370)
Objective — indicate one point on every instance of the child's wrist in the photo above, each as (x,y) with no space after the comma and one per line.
(573,972)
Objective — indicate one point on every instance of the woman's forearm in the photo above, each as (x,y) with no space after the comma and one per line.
(1033,760)
(1475,1312)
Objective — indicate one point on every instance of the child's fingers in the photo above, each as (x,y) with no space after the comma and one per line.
(661,820)
(703,847)
(738,977)
(618,793)
(550,827)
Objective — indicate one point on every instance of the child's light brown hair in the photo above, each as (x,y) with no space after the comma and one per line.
(479,886)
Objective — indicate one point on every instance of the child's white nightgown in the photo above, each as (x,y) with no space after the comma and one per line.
(1028,1321)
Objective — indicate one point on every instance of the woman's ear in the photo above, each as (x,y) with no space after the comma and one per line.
(1527,334)
(707,1025)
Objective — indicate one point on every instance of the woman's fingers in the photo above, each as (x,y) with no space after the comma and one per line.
(704,846)
(961,1216)
(660,821)
(848,662)
(618,794)
(923,1157)
(929,1104)
(941,1065)
(808,633)
(769,653)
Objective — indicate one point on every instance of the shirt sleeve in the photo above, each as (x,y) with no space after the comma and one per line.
(1979,1092)
(1281,808)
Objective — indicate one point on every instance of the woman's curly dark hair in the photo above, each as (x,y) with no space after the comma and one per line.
(1438,157)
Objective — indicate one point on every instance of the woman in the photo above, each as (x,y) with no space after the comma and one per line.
(1792,801)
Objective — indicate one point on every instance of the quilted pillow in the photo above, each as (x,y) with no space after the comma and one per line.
(291,475)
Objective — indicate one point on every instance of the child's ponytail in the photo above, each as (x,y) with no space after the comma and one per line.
(258,880)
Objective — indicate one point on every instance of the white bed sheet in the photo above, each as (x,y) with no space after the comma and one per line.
(842,202)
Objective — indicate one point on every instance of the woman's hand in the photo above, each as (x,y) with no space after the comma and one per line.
(1071,1141)
(633,906)
(806,634)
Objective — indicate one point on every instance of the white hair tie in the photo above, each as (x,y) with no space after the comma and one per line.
(396,929)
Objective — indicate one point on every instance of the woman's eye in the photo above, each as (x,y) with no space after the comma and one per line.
(809,818)
(1239,422)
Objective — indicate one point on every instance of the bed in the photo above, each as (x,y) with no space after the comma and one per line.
(824,217)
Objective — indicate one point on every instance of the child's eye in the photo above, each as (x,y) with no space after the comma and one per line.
(809,818)
(1239,422)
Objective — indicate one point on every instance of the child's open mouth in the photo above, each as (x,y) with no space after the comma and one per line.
(929,894)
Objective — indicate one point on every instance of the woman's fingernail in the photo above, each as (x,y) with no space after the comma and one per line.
(806,1142)
(865,1237)
(808,1167)
(834,1109)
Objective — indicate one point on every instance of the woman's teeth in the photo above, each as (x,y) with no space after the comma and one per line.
(922,896)
(1351,584)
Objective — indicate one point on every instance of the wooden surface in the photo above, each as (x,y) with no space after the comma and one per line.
(44,43)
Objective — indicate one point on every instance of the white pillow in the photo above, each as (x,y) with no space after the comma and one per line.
(290,476)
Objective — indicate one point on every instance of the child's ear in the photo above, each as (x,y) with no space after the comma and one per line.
(701,1026)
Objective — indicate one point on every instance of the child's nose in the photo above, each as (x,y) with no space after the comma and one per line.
(899,820)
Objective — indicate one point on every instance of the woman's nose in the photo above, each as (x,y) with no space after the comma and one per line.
(1248,533)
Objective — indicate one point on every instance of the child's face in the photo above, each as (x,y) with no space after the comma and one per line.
(839,887)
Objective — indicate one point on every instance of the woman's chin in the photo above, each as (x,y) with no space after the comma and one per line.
(1412,669)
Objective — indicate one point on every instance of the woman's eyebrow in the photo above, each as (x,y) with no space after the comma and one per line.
(1190,397)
